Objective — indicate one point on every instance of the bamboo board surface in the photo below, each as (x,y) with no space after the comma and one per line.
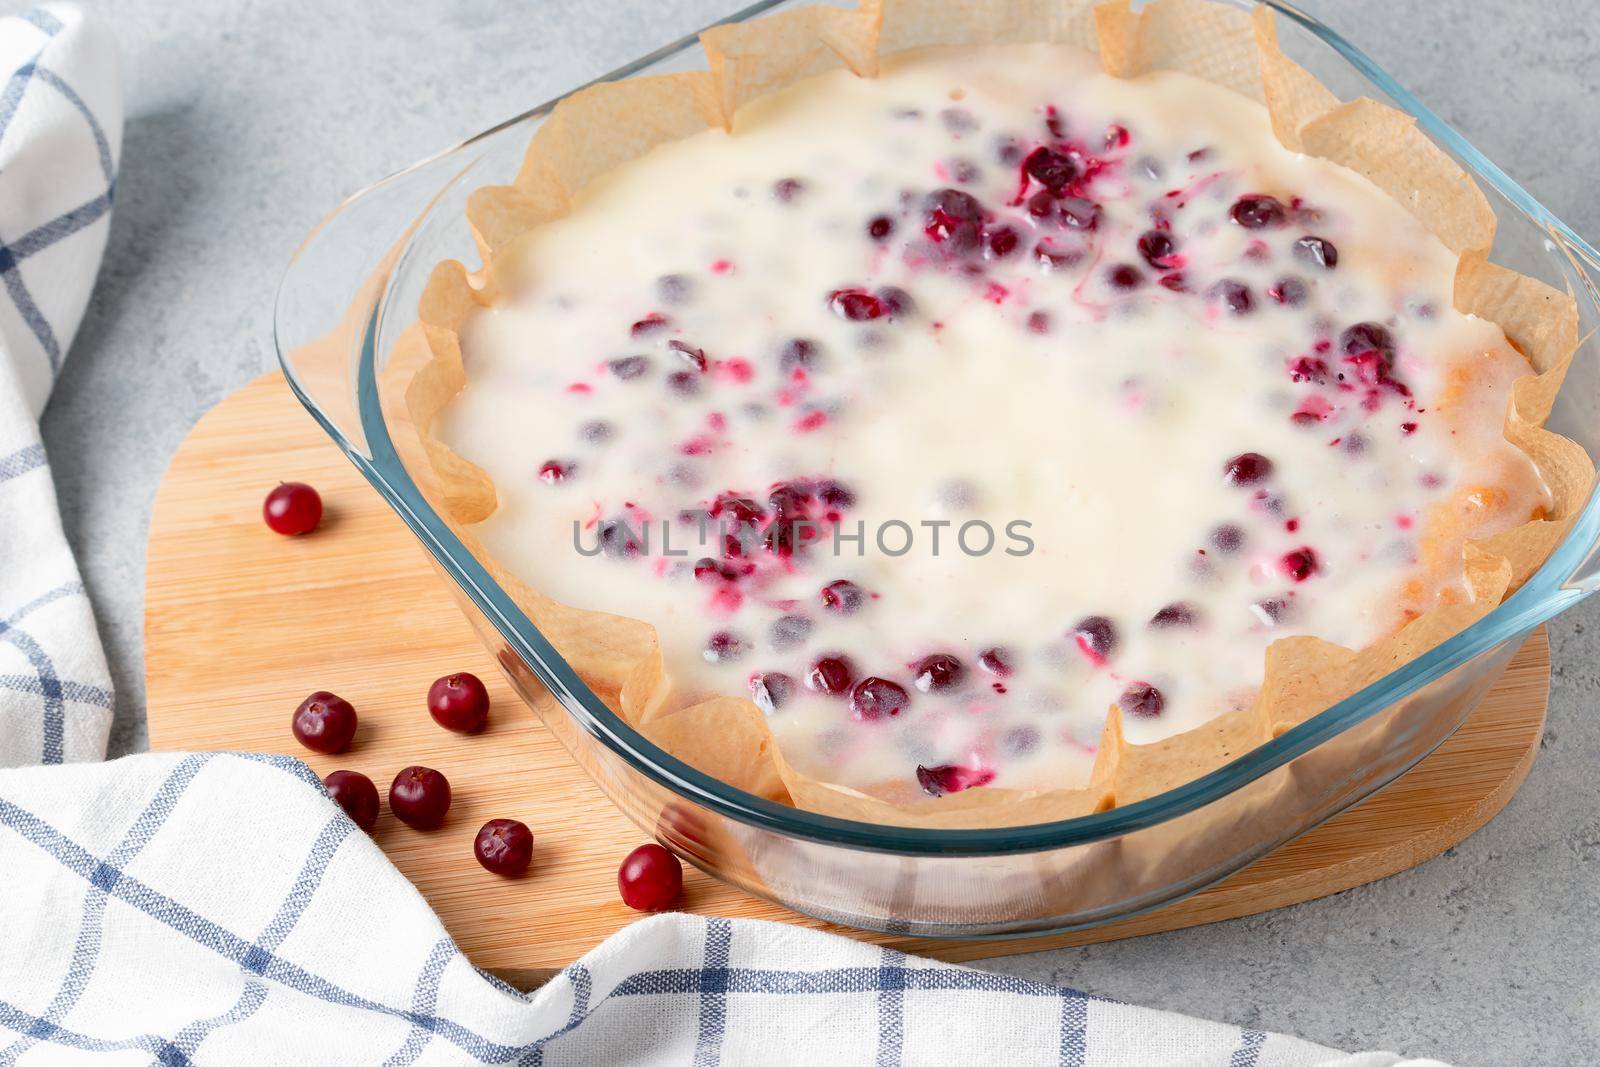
(241,624)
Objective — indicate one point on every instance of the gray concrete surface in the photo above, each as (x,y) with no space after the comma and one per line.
(248,119)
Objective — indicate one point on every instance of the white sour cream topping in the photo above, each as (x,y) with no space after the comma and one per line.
(1086,417)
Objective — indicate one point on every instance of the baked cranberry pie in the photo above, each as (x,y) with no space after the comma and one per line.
(938,412)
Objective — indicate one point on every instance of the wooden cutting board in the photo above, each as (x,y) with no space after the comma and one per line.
(241,624)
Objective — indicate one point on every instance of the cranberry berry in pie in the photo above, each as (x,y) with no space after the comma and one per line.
(941,413)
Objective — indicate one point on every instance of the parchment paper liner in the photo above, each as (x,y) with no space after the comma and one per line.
(605,126)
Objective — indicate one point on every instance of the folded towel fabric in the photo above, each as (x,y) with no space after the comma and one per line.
(60,132)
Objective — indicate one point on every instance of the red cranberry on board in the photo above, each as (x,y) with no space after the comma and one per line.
(459,702)
(420,798)
(355,793)
(324,723)
(650,879)
(504,847)
(292,508)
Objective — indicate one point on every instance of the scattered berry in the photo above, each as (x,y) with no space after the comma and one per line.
(324,723)
(355,793)
(292,508)
(650,879)
(504,847)
(420,798)
(459,702)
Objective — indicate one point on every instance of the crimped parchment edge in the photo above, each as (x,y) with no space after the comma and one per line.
(603,127)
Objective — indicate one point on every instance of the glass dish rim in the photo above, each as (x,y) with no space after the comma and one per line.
(1545,595)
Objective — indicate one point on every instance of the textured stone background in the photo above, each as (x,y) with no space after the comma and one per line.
(249,119)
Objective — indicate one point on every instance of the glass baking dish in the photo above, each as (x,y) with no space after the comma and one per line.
(351,293)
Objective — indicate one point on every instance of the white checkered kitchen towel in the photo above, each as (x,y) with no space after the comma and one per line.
(220,909)
(60,129)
